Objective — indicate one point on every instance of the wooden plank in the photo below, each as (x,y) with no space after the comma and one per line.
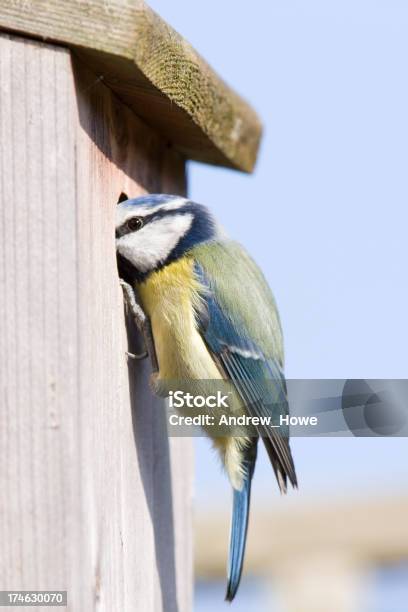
(152,69)
(94,499)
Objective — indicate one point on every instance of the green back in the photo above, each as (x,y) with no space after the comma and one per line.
(242,291)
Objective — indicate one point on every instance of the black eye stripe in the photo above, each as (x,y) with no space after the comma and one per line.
(130,225)
(159,214)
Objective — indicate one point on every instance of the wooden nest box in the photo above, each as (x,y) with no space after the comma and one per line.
(97,98)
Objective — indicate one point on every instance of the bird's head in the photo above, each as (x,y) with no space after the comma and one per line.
(154,230)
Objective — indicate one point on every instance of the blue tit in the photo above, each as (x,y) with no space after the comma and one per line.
(212,316)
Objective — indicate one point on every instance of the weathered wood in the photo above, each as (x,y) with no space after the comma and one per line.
(152,69)
(94,497)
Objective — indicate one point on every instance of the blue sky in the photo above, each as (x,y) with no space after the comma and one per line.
(325,213)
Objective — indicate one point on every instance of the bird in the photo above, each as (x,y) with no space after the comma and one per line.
(207,313)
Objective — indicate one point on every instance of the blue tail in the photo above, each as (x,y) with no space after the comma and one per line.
(239,528)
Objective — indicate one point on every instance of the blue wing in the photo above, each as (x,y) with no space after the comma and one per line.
(258,380)
(261,385)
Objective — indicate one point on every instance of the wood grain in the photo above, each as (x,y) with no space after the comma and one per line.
(94,497)
(152,69)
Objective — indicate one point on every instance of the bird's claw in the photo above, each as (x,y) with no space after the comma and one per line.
(136,356)
(133,306)
(142,323)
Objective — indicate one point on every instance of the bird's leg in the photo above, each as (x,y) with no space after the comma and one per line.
(142,322)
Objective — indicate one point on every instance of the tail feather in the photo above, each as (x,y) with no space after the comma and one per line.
(239,528)
(280,468)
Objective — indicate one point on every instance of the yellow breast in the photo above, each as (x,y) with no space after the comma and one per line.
(170,297)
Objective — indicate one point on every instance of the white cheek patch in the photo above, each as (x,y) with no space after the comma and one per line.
(123,213)
(152,244)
